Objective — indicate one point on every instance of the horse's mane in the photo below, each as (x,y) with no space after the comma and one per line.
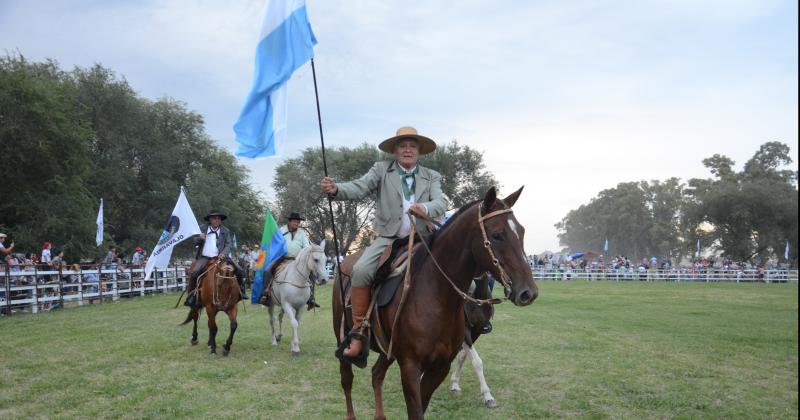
(419,257)
(449,222)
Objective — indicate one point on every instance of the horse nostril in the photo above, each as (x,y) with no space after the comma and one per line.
(524,297)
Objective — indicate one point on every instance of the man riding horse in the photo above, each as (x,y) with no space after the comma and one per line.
(296,239)
(400,184)
(214,241)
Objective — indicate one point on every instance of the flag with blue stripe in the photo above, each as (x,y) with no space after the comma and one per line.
(286,43)
(273,246)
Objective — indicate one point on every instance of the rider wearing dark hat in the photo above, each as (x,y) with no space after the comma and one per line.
(296,239)
(213,241)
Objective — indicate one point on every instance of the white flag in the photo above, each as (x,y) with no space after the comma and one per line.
(99,237)
(786,252)
(698,249)
(182,224)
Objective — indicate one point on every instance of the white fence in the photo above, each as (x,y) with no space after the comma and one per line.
(44,290)
(676,275)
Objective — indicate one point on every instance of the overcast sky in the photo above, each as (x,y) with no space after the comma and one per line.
(565,97)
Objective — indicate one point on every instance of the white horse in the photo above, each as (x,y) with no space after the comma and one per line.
(291,289)
(477,364)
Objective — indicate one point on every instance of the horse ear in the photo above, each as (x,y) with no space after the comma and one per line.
(489,198)
(511,199)
(322,244)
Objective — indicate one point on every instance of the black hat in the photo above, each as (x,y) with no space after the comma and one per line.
(215,213)
(295,215)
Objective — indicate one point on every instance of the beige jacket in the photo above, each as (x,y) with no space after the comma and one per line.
(385,180)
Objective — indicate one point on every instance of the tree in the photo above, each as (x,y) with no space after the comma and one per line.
(750,214)
(44,159)
(71,138)
(296,185)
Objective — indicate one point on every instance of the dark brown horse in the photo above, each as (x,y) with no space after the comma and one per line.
(218,292)
(482,236)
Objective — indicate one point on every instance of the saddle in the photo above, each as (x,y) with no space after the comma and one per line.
(389,275)
(280,265)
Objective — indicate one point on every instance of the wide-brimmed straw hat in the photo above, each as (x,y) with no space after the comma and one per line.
(426,145)
(296,216)
(215,213)
(3,235)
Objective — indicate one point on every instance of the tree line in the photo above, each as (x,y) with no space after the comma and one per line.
(747,215)
(70,138)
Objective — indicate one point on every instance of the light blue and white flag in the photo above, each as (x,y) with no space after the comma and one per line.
(786,252)
(605,247)
(697,254)
(99,236)
(286,43)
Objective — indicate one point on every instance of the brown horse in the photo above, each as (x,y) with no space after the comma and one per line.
(482,236)
(218,292)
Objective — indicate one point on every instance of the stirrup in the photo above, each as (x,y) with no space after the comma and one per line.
(359,361)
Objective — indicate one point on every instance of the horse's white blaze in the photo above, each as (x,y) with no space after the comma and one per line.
(513,227)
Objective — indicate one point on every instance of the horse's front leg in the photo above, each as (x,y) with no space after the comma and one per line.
(232,317)
(477,364)
(378,374)
(410,374)
(431,380)
(346,374)
(280,323)
(195,316)
(271,309)
(455,378)
(294,316)
(212,330)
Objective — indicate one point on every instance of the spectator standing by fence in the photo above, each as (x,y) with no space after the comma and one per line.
(138,258)
(47,259)
(3,250)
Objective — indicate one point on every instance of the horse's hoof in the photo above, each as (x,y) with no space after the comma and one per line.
(491,403)
(278,338)
(212,352)
(225,352)
(456,391)
(296,353)
(193,342)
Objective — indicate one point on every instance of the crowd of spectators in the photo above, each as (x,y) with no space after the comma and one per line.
(620,266)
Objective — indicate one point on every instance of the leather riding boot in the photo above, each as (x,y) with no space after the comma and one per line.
(242,294)
(191,299)
(312,303)
(359,298)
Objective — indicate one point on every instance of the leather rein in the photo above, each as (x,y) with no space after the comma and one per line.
(486,243)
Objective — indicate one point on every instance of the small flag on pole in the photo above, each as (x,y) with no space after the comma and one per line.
(286,43)
(605,247)
(181,225)
(99,236)
(697,254)
(786,252)
(273,246)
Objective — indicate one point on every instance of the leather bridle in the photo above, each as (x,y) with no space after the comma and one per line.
(488,245)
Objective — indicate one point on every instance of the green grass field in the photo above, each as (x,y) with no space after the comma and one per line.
(598,350)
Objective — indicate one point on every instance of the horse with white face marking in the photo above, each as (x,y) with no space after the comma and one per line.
(291,289)
(477,317)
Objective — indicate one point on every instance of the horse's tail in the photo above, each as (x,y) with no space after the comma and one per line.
(189,317)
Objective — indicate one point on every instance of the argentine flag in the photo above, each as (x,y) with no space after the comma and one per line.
(286,43)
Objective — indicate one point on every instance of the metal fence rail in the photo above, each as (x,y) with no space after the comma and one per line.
(676,275)
(44,290)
